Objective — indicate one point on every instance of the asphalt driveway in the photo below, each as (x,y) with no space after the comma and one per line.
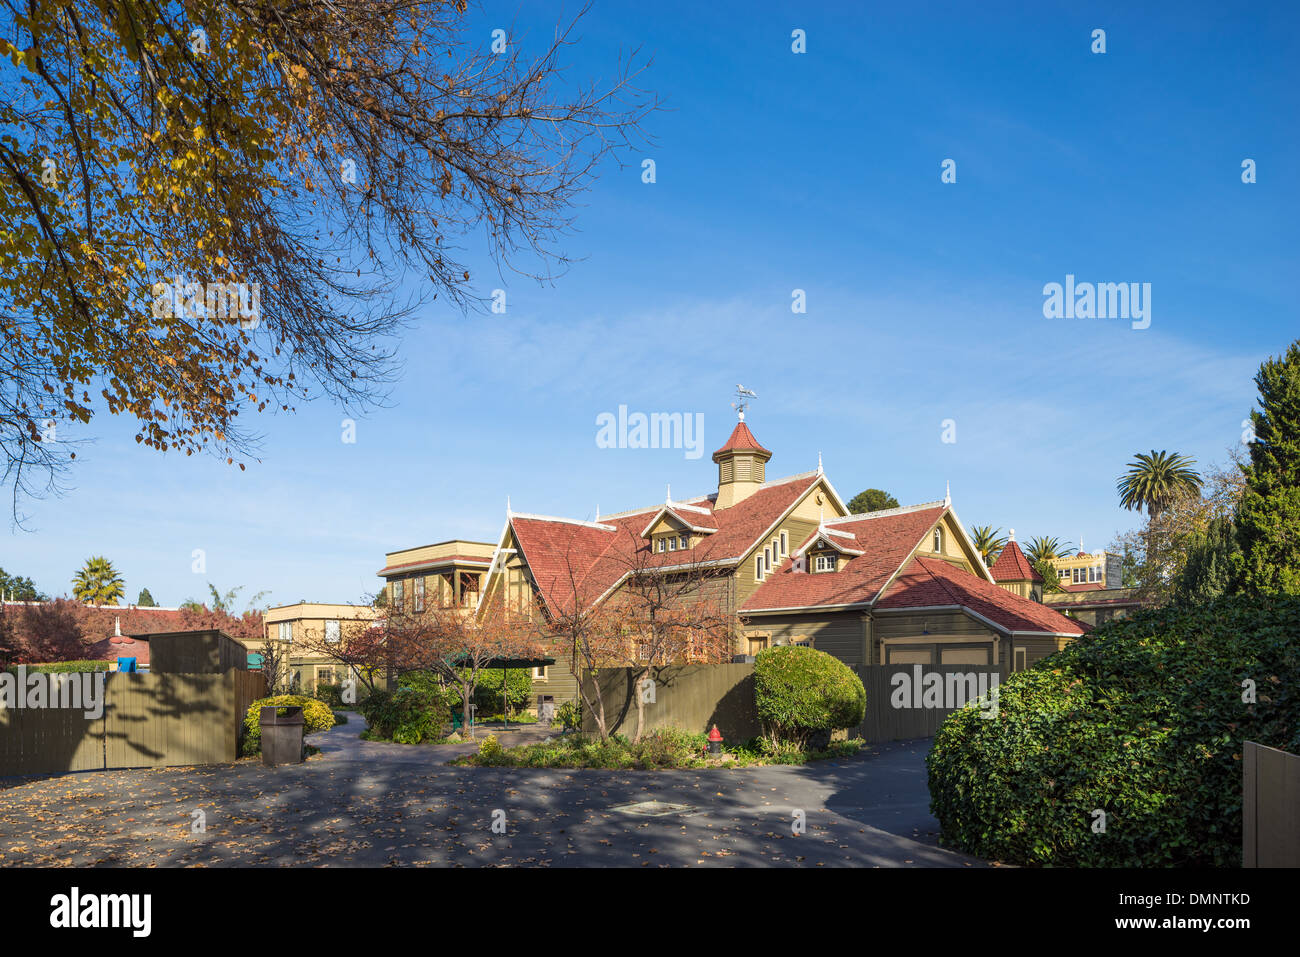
(371,804)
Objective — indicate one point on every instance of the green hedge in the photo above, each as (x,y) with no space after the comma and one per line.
(487,690)
(406,716)
(800,691)
(66,667)
(1143,719)
(316,716)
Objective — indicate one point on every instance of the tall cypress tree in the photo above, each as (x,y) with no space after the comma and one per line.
(1268,523)
(1211,556)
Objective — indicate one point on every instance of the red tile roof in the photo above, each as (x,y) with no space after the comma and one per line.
(887,540)
(1013,566)
(741,439)
(1083,586)
(583,560)
(931,582)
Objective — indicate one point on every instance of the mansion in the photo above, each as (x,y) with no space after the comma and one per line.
(899,586)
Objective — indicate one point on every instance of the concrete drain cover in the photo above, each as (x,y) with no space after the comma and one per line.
(651,808)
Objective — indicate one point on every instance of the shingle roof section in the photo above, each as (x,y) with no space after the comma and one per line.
(1013,566)
(572,561)
(741,440)
(886,542)
(931,582)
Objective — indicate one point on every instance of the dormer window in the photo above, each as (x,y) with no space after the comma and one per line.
(663,544)
(784,544)
(683,541)
(825,562)
(672,543)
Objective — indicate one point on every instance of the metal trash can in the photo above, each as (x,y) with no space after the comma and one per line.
(281,735)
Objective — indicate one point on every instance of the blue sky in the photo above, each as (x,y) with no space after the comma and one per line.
(818,171)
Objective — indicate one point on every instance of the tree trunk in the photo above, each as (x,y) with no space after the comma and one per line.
(466,692)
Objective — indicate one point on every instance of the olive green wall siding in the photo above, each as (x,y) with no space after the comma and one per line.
(842,634)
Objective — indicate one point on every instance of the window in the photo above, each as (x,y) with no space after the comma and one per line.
(286,631)
(672,543)
(1020,659)
(539,674)
(758,567)
(417,593)
(683,541)
(663,544)
(784,543)
(938,539)
(331,631)
(1094,573)
(776,550)
(397,596)
(1063,573)
(324,676)
(767,560)
(826,562)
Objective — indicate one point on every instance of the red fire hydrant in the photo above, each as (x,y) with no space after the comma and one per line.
(715,741)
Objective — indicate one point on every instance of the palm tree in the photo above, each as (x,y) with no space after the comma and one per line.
(1044,549)
(988,543)
(98,582)
(1155,481)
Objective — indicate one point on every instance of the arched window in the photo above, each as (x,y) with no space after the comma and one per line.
(938,539)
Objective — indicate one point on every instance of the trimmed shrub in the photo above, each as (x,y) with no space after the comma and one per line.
(406,716)
(1143,719)
(800,692)
(316,716)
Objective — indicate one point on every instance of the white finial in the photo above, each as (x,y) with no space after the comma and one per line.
(819,462)
(668,500)
(598,511)
(1013,535)
(1080,543)
(947,493)
(508,512)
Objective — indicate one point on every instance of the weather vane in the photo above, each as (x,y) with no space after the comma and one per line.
(743,396)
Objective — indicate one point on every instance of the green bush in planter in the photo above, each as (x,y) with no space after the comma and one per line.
(316,716)
(1143,719)
(407,715)
(801,691)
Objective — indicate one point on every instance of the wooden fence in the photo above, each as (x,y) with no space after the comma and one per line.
(689,697)
(898,707)
(148,721)
(695,697)
(1270,807)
